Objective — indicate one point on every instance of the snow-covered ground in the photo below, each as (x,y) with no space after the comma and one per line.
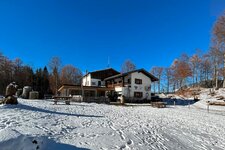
(205,96)
(38,124)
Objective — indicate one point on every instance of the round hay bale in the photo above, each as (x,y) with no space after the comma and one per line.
(33,95)
(26,91)
(10,90)
(11,100)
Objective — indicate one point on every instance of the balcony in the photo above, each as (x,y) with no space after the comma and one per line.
(112,85)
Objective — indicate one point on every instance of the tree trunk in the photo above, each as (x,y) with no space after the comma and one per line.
(216,77)
(159,85)
(196,77)
(168,85)
(193,80)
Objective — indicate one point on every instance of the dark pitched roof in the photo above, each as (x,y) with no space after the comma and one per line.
(152,77)
(102,74)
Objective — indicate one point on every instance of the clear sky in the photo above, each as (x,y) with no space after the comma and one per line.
(85,33)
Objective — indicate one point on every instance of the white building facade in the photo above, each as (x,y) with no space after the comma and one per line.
(134,85)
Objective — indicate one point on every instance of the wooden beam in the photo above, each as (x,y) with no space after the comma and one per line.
(123,81)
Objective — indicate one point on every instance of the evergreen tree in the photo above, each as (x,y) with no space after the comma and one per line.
(45,81)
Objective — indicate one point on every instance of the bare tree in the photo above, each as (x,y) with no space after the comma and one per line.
(195,65)
(216,56)
(55,62)
(182,70)
(127,66)
(54,65)
(18,71)
(168,75)
(159,71)
(206,67)
(71,75)
(219,41)
(219,28)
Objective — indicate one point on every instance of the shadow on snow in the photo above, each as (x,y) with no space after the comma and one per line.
(181,102)
(31,108)
(27,142)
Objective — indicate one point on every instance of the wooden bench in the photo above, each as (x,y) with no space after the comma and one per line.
(66,99)
(158,104)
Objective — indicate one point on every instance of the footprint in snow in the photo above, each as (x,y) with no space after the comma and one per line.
(129,142)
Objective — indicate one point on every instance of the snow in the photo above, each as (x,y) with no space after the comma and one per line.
(34,123)
(205,97)
(11,139)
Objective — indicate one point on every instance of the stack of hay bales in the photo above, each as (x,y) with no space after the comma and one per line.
(33,95)
(26,91)
(10,92)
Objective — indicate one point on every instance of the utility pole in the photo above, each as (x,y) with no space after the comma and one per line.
(108,63)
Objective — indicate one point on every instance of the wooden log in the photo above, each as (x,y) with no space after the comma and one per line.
(217,103)
(220,98)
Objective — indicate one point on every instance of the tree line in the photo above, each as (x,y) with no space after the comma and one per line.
(41,79)
(206,69)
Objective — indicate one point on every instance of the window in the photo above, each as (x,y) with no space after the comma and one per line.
(93,83)
(138,81)
(138,94)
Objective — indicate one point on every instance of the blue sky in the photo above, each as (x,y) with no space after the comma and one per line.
(85,33)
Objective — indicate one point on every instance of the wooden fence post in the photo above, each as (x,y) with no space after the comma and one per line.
(208,106)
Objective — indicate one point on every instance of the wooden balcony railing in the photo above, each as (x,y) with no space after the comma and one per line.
(116,85)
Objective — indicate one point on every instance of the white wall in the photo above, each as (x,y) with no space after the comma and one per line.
(88,81)
(146,82)
(128,90)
